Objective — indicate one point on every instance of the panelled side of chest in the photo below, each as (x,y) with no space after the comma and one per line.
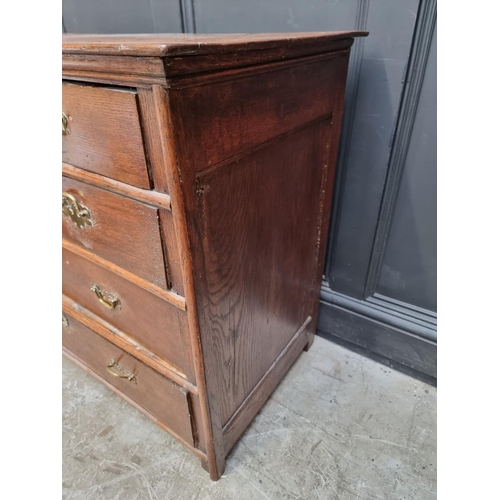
(256,149)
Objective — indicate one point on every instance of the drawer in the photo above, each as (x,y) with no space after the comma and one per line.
(104,133)
(161,397)
(121,230)
(154,323)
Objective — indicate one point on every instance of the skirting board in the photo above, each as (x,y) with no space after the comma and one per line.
(400,350)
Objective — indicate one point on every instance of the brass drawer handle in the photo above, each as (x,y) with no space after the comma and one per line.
(108,300)
(77,212)
(119,371)
(65,123)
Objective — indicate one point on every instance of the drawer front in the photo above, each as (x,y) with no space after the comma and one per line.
(161,397)
(104,133)
(120,230)
(154,323)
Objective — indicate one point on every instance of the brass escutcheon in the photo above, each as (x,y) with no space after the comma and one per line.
(119,371)
(78,213)
(108,300)
(65,123)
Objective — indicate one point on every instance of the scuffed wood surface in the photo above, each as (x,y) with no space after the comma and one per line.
(171,45)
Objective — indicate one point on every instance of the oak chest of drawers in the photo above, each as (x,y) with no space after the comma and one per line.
(197,184)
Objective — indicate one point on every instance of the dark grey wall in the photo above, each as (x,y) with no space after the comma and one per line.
(240,16)
(379,293)
(408,270)
(368,145)
(122,16)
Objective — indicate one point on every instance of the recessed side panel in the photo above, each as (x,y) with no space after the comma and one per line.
(257,220)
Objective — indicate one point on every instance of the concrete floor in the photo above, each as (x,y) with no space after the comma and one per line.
(339,426)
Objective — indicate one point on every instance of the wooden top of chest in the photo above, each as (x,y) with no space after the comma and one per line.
(141,60)
(174,45)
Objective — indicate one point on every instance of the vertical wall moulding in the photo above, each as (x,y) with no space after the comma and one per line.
(188,19)
(424,29)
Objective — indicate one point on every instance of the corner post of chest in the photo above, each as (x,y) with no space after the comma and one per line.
(178,179)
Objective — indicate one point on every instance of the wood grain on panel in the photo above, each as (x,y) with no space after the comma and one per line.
(261,392)
(156,324)
(104,133)
(252,243)
(123,231)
